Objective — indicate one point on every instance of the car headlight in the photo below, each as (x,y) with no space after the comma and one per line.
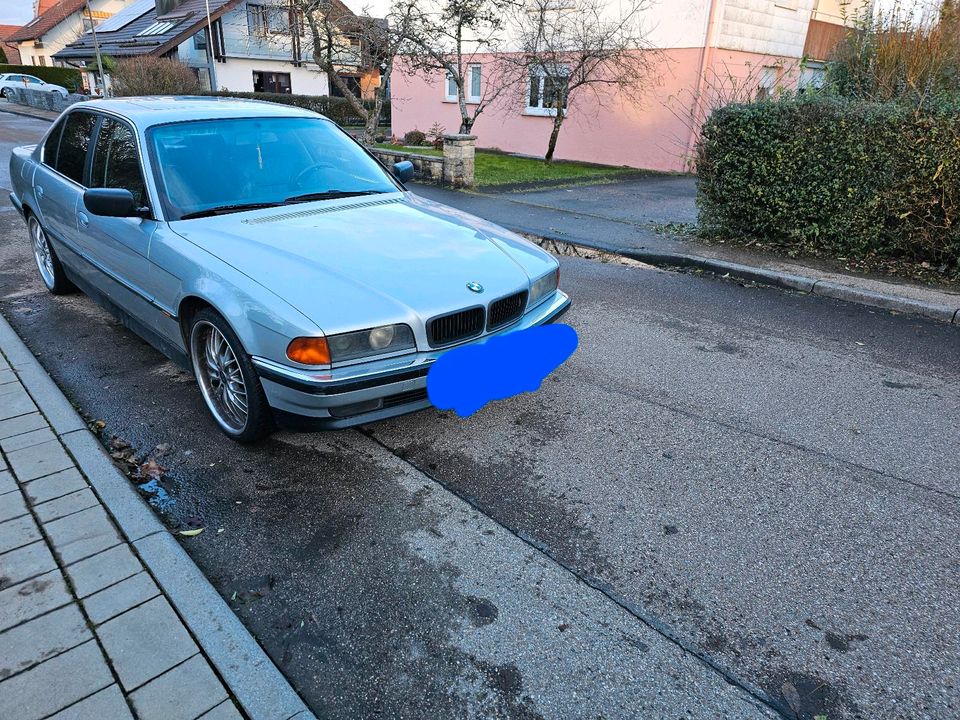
(545,286)
(376,341)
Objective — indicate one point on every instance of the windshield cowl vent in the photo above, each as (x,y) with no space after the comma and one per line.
(323,210)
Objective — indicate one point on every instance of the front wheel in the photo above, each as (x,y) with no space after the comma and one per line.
(5,92)
(227,380)
(51,271)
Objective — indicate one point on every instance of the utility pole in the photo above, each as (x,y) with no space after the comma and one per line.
(210,58)
(96,49)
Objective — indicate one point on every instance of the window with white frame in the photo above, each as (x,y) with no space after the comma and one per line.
(769,76)
(812,76)
(547,90)
(473,85)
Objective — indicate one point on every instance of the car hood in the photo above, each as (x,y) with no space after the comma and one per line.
(370,260)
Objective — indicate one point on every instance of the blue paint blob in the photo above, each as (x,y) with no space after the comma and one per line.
(467,378)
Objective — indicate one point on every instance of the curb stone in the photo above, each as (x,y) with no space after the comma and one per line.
(252,678)
(776,278)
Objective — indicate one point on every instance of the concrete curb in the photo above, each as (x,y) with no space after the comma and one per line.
(775,278)
(252,678)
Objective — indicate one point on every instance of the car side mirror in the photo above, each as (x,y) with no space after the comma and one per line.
(111,202)
(403,171)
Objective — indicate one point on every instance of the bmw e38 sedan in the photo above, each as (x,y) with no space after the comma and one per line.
(265,249)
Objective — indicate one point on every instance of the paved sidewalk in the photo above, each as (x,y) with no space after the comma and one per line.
(26,110)
(88,625)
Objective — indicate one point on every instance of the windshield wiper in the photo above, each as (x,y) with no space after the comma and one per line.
(224,209)
(332,195)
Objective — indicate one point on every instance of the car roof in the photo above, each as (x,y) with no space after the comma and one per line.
(147,111)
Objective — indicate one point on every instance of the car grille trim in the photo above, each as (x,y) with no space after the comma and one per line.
(318,211)
(456,326)
(506,310)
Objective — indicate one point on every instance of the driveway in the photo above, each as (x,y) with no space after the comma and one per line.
(731,502)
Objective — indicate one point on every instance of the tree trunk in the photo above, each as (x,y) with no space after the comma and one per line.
(552,145)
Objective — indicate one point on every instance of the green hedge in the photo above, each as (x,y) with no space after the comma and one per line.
(337,109)
(67,77)
(825,176)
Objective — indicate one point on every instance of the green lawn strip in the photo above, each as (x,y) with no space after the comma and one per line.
(494,168)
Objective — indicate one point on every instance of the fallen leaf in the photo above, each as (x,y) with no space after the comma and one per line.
(219,530)
(792,697)
(117,443)
(191,533)
(99,424)
(151,469)
(161,449)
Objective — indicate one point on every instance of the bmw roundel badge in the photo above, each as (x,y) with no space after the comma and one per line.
(475,287)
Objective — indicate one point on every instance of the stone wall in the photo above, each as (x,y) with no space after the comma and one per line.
(43,100)
(455,167)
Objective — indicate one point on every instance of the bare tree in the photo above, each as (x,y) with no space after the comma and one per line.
(376,43)
(449,37)
(574,48)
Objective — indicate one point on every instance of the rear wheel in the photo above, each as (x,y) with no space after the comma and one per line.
(5,92)
(228,382)
(51,271)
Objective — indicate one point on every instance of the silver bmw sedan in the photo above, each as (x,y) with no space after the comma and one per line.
(260,246)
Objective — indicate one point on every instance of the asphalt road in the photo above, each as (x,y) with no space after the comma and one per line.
(731,502)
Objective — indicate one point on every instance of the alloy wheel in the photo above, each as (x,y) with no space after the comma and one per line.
(42,253)
(219,376)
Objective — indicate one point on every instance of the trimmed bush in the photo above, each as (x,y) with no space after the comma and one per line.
(842,178)
(147,75)
(414,137)
(66,77)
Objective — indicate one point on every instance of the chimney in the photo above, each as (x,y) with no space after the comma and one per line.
(165,7)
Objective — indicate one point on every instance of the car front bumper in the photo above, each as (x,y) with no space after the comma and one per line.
(356,394)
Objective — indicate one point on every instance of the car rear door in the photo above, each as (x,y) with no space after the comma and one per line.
(120,247)
(58,181)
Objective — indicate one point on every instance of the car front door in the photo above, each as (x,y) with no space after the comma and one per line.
(120,246)
(58,181)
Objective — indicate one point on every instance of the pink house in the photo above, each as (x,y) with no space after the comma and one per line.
(704,48)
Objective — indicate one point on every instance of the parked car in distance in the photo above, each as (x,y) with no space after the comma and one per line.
(19,80)
(265,249)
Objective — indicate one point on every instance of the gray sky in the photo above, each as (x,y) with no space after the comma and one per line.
(15,12)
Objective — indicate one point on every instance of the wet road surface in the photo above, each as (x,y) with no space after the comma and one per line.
(731,502)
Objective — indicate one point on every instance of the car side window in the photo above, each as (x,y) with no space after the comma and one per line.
(74,144)
(50,145)
(116,163)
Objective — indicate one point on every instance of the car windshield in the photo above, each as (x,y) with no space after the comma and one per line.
(211,167)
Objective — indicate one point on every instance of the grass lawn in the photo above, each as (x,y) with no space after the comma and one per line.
(495,168)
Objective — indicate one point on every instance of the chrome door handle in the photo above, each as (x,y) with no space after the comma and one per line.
(83,219)
(39,191)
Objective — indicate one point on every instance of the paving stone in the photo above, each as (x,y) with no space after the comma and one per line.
(108,704)
(103,569)
(81,535)
(145,642)
(21,424)
(42,638)
(19,532)
(65,505)
(12,506)
(24,563)
(56,408)
(39,460)
(182,693)
(7,483)
(16,403)
(7,376)
(53,486)
(112,601)
(55,684)
(224,711)
(31,599)
(24,440)
(9,388)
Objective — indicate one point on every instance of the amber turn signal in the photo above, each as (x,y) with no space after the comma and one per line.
(309,351)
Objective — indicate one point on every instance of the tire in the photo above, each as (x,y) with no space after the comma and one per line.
(48,264)
(227,380)
(5,92)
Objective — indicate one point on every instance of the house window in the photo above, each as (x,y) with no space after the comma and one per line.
(547,90)
(812,76)
(264,19)
(89,24)
(767,83)
(473,85)
(200,40)
(271,82)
